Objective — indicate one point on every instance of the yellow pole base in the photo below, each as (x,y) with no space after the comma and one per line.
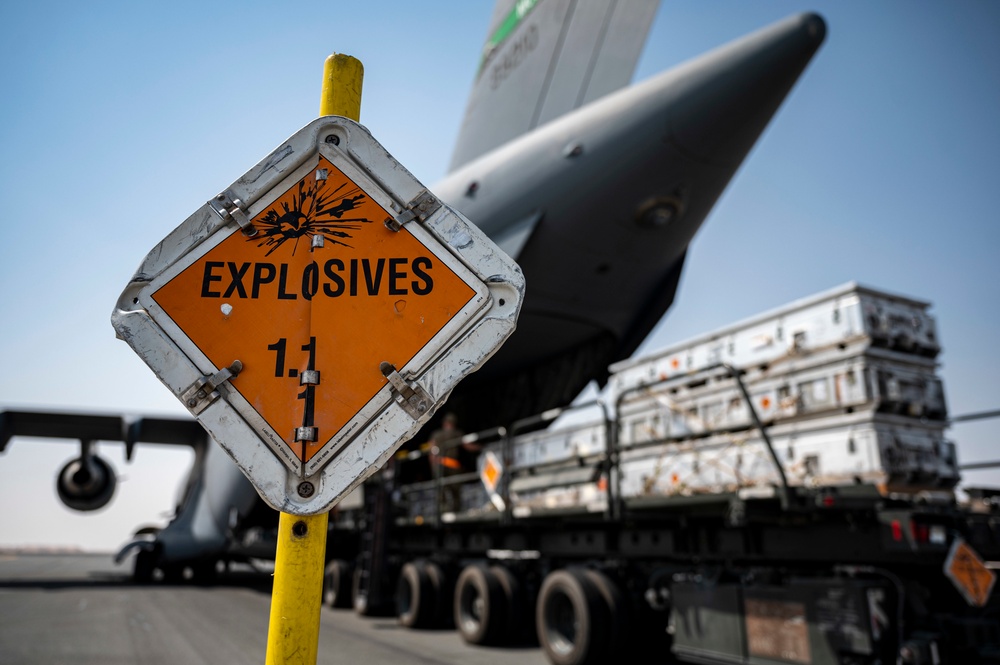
(297,597)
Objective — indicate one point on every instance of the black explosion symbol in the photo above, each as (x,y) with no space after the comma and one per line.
(312,212)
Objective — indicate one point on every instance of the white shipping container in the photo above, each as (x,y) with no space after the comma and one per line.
(691,406)
(883,450)
(846,315)
(845,382)
(551,446)
(589,496)
(862,448)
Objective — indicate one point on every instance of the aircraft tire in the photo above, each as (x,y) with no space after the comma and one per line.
(480,606)
(173,574)
(571,619)
(204,572)
(337,583)
(143,567)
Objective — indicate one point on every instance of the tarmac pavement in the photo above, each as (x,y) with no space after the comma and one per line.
(80,609)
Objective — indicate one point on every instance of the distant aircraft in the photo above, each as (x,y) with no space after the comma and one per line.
(596,189)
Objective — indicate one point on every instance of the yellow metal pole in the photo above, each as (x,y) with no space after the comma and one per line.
(342,76)
(296,599)
(293,631)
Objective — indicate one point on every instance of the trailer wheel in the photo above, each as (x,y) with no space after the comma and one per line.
(361,605)
(617,609)
(572,619)
(479,606)
(337,583)
(415,596)
(514,601)
(441,593)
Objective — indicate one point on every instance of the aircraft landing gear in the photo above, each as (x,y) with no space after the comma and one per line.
(145,564)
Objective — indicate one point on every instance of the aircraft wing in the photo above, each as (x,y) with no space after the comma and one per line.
(95,427)
(88,482)
(544,58)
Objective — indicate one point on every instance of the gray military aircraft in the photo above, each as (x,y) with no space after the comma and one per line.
(595,188)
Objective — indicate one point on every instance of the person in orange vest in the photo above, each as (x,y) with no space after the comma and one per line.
(452,457)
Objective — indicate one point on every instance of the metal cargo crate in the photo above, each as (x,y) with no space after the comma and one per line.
(845,315)
(588,496)
(557,445)
(867,447)
(691,406)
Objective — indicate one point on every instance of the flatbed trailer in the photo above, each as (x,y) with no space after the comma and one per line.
(815,575)
(776,492)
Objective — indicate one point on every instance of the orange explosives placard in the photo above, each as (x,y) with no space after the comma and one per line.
(491,471)
(316,313)
(323,287)
(969,574)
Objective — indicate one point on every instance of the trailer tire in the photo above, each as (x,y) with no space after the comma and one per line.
(617,608)
(440,601)
(515,604)
(361,605)
(415,602)
(480,606)
(337,584)
(571,618)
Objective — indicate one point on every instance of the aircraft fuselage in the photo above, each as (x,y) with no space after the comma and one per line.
(599,207)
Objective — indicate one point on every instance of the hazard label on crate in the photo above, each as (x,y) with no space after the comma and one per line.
(969,574)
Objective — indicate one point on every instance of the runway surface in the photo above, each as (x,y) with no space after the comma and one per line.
(80,609)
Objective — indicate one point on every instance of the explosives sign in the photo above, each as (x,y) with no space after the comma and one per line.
(326,303)
(490,473)
(322,286)
(969,574)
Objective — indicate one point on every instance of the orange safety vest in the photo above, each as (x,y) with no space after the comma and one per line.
(451,463)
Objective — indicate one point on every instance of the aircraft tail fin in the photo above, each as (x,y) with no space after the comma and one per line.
(544,58)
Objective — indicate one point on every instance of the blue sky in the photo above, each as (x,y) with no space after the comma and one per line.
(120,119)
